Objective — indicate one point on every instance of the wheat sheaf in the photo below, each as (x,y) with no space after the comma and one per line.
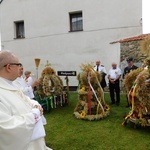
(145,46)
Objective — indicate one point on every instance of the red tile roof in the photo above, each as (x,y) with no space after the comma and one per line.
(135,38)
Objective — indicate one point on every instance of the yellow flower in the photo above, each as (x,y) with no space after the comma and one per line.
(106,107)
(82,115)
(83,89)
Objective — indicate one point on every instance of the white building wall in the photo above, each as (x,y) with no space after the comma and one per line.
(47,33)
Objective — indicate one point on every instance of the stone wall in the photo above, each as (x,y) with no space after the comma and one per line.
(131,49)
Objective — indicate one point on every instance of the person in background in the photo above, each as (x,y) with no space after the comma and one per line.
(101,69)
(130,66)
(114,84)
(127,70)
(21,127)
(24,86)
(28,79)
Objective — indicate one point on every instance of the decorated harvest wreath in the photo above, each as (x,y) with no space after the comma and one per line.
(91,104)
(50,89)
(137,85)
(49,83)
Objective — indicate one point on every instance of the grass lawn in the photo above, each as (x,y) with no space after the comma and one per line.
(65,132)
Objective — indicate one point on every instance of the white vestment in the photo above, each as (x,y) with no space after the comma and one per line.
(27,89)
(17,120)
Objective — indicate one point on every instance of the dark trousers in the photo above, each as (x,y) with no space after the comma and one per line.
(114,88)
(103,81)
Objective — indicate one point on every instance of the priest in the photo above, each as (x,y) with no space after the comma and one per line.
(21,126)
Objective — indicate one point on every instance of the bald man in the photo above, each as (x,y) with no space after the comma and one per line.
(114,84)
(21,127)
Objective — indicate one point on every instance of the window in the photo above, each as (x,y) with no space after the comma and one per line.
(76,23)
(19,27)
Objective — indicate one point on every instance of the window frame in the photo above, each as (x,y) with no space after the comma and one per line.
(76,15)
(17,25)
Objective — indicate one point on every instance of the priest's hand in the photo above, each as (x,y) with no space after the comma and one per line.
(40,109)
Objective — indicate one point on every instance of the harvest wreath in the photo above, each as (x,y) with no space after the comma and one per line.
(50,89)
(137,84)
(91,104)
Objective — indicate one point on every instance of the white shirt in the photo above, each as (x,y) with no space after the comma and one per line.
(114,73)
(101,69)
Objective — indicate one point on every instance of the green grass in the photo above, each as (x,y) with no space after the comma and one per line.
(65,132)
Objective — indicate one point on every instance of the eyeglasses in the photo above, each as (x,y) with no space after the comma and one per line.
(17,64)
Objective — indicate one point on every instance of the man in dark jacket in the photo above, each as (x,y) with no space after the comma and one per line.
(127,70)
(130,66)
